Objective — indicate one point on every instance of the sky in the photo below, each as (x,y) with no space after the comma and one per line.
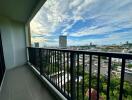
(101,22)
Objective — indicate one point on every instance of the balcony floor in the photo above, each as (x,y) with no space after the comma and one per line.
(21,84)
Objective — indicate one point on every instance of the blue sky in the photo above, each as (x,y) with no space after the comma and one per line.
(83,21)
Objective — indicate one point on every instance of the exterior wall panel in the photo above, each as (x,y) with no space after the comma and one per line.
(14,43)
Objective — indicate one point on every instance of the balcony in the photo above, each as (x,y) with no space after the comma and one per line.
(79,75)
(49,74)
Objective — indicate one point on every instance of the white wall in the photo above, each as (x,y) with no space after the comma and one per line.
(14,43)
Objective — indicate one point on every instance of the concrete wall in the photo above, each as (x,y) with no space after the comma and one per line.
(14,43)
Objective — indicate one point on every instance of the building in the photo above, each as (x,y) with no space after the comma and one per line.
(62,41)
(36,44)
(127,45)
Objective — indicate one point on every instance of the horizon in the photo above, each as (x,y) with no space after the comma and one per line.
(83,21)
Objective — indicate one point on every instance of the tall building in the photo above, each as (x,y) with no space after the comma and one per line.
(36,44)
(62,41)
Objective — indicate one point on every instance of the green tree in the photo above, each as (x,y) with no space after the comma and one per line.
(129,65)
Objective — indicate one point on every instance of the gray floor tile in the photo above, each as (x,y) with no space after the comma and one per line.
(21,84)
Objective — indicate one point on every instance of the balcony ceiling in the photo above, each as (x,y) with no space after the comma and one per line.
(20,10)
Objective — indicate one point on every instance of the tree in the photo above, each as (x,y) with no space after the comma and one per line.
(129,65)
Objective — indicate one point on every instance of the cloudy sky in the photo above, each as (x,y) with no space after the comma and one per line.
(83,21)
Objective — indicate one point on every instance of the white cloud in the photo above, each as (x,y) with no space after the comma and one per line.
(107,15)
(94,30)
(110,39)
(38,39)
(75,3)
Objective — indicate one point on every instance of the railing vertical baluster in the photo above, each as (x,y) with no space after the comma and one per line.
(122,78)
(83,76)
(34,54)
(61,69)
(55,69)
(58,68)
(40,61)
(48,61)
(53,65)
(108,84)
(98,78)
(72,67)
(64,70)
(90,72)
(68,72)
(77,76)
(50,71)
(29,54)
(36,58)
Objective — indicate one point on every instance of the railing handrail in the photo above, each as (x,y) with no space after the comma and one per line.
(98,53)
(46,60)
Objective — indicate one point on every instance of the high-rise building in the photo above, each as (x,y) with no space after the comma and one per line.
(36,44)
(62,41)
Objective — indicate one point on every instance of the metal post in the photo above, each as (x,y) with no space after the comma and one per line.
(108,84)
(90,75)
(41,64)
(98,78)
(122,79)
(72,67)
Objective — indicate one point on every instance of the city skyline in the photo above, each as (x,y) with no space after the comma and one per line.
(83,21)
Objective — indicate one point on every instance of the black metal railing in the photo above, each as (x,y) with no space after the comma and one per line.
(2,62)
(83,75)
